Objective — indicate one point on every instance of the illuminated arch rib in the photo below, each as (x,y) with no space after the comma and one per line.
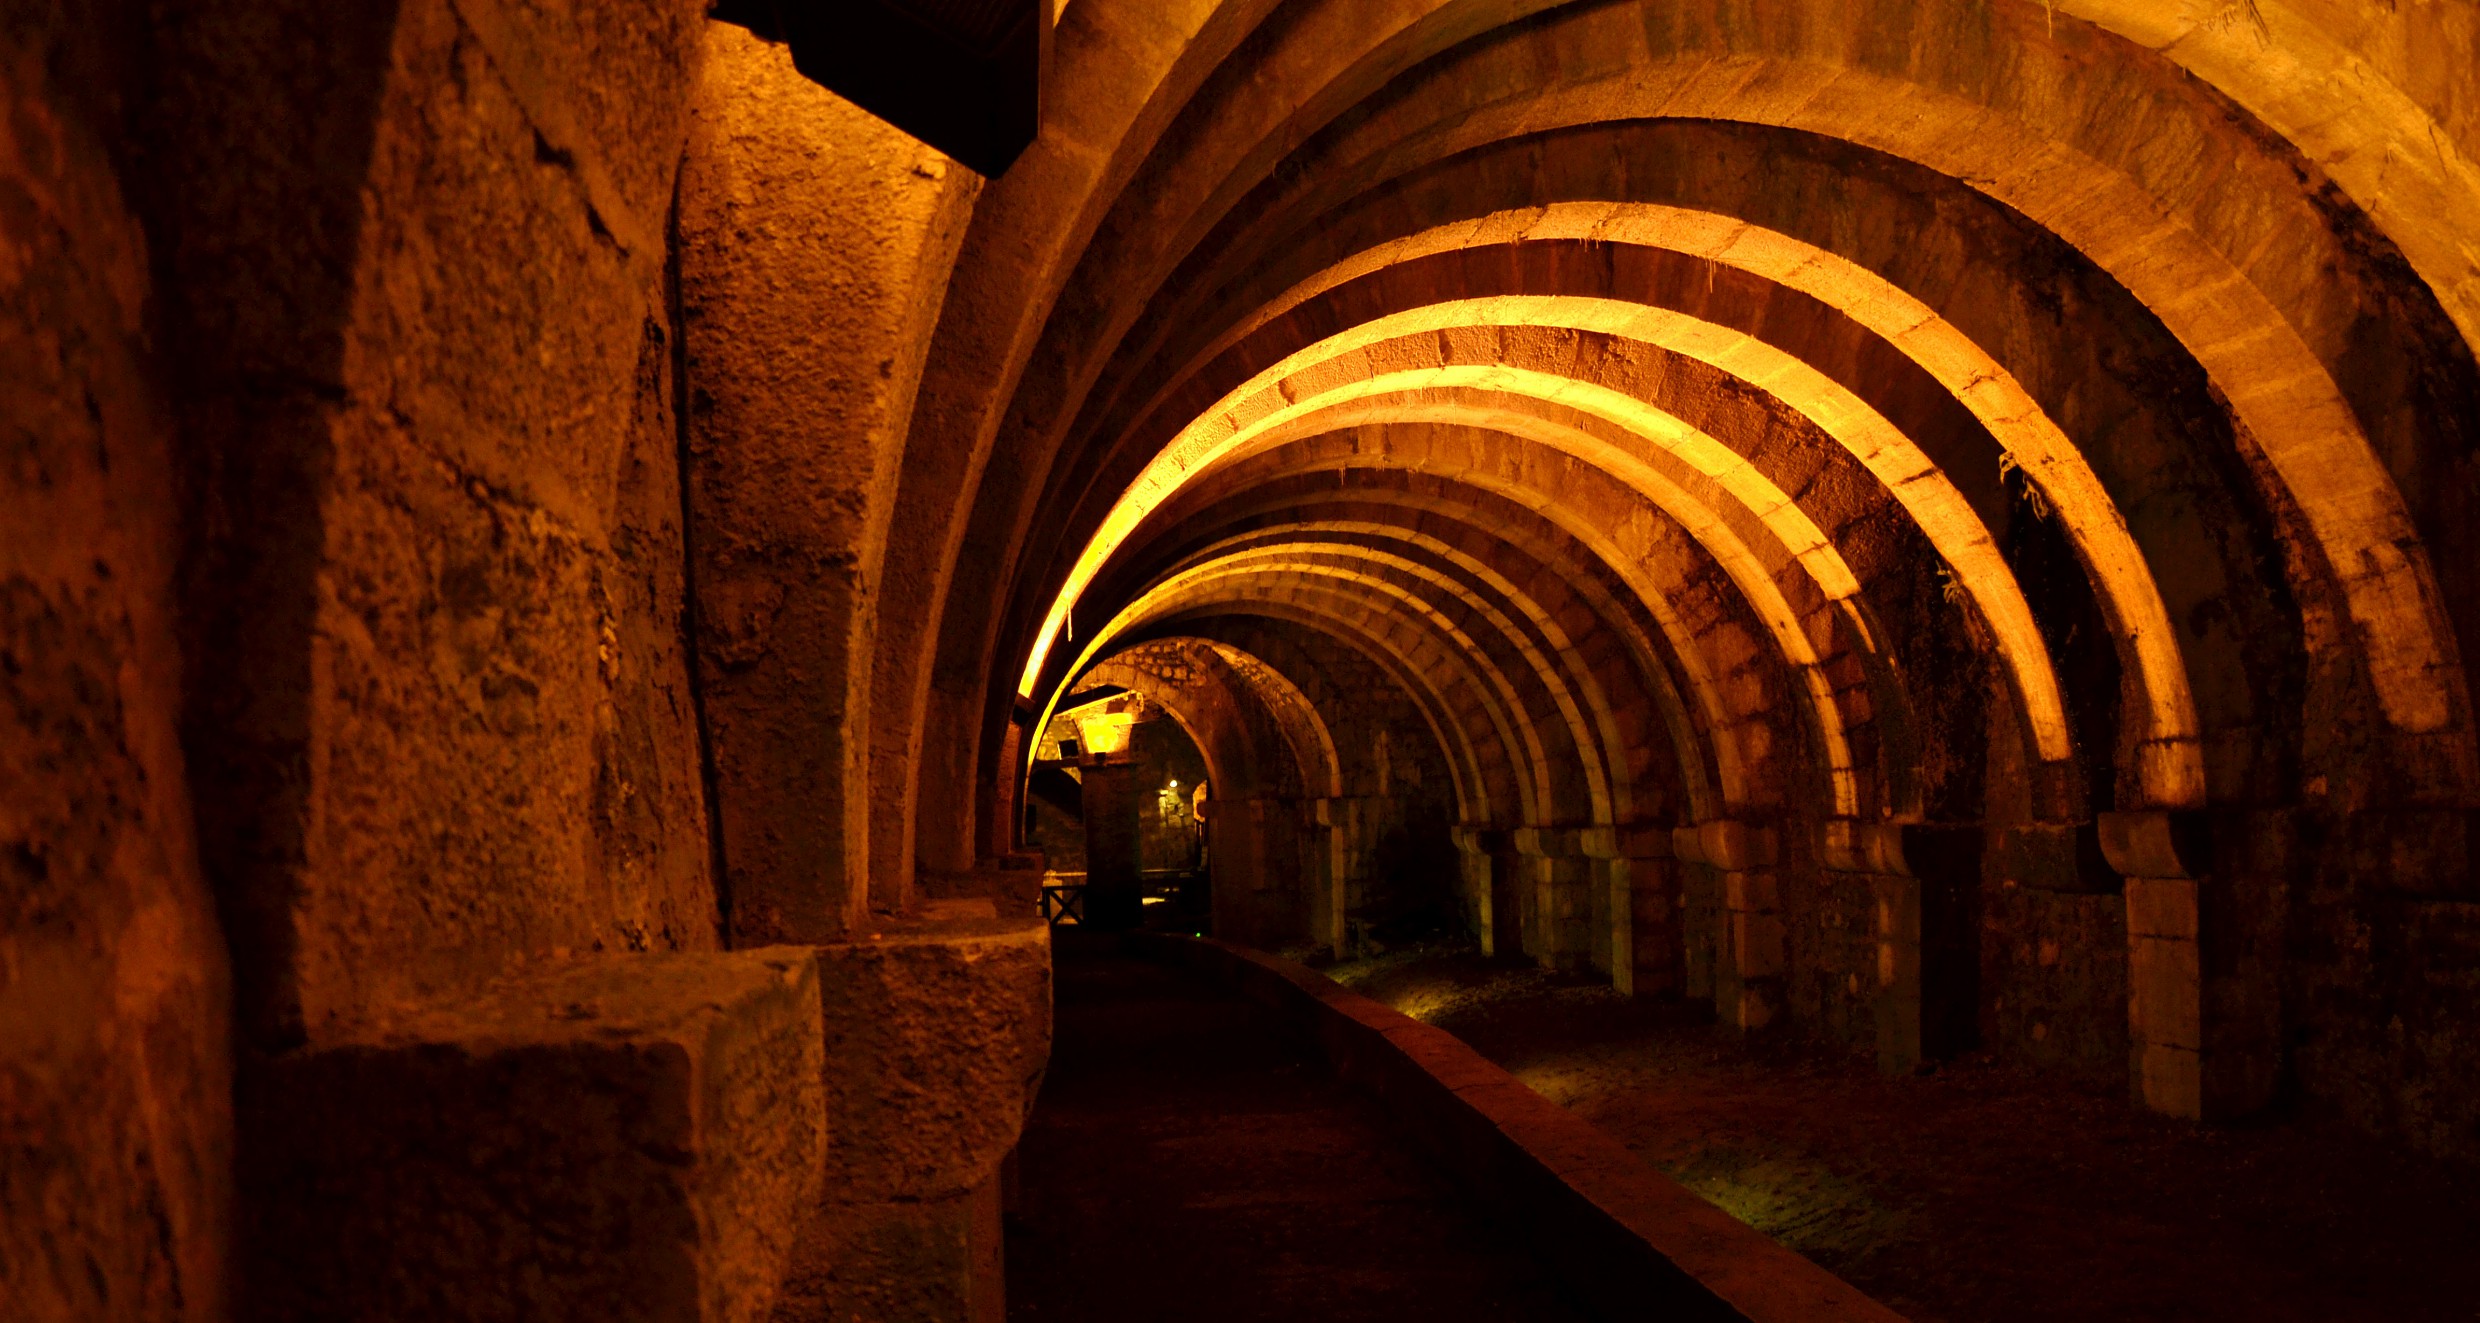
(1580,701)
(1622,616)
(2032,440)
(1271,400)
(1283,567)
(1493,738)
(1621,548)
(2161,248)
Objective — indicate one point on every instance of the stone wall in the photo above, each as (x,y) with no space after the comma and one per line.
(815,244)
(441,717)
(115,1090)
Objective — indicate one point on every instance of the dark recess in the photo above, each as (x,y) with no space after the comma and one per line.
(964,76)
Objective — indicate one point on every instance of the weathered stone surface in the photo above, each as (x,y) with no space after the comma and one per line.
(937,1031)
(909,1261)
(815,243)
(1763,417)
(625,1137)
(115,1102)
(416,312)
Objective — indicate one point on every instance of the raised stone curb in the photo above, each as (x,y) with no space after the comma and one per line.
(1630,1241)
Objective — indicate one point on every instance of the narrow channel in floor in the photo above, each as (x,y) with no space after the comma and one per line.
(1188,1159)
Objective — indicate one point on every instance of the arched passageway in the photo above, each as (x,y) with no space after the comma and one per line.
(1829,544)
(1937,530)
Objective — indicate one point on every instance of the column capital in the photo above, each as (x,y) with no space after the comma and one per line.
(1731,844)
(1848,845)
(2157,843)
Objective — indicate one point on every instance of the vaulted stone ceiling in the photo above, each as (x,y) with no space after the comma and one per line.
(1810,425)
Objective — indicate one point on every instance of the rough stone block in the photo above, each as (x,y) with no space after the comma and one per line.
(2169,1080)
(936,1032)
(1757,942)
(926,1261)
(629,1137)
(2166,992)
(1751,893)
(2161,907)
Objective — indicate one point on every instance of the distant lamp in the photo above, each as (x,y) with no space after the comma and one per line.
(1106,732)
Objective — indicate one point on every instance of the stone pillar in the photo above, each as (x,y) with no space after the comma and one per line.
(1613,935)
(2165,972)
(936,1033)
(2203,1013)
(661,1119)
(1751,955)
(1645,949)
(1870,854)
(1341,857)
(1896,908)
(1114,847)
(1924,883)
(1559,880)
(1472,853)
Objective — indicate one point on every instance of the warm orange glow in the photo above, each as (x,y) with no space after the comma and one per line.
(1613,548)
(1106,732)
(2173,764)
(1554,677)
(2288,403)
(1292,708)
(1461,654)
(1271,398)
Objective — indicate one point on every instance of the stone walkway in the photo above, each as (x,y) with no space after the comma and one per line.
(1188,1161)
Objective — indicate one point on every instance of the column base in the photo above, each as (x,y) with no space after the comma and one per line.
(900,1261)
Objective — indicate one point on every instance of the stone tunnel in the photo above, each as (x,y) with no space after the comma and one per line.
(610,614)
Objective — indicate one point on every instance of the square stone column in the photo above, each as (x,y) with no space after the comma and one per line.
(1751,955)
(1923,884)
(1114,843)
(936,1031)
(2165,970)
(1474,868)
(1638,932)
(2203,945)
(2165,996)
(1341,848)
(628,1137)
(1559,929)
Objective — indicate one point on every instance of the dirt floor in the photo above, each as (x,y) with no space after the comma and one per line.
(1981,1191)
